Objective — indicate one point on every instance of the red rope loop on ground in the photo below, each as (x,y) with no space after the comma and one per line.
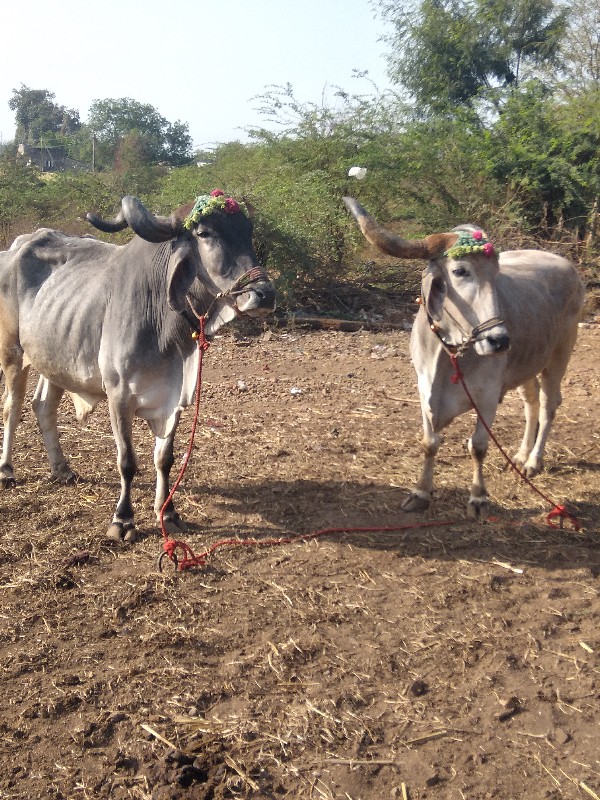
(557,511)
(562,513)
(187,557)
(191,560)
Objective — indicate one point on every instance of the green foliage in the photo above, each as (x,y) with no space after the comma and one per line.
(112,121)
(68,195)
(529,167)
(37,116)
(58,200)
(300,226)
(20,197)
(450,53)
(549,154)
(580,48)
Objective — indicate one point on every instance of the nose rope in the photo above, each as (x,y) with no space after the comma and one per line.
(253,275)
(485,326)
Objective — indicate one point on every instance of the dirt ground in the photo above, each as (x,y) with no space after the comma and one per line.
(458,660)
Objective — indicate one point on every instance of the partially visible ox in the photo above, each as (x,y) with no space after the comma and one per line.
(103,320)
(511,320)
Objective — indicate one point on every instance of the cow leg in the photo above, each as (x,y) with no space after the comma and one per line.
(45,404)
(15,377)
(418,499)
(550,400)
(163,461)
(530,394)
(121,420)
(478,444)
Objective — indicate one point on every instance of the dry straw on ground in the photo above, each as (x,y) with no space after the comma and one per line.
(457,661)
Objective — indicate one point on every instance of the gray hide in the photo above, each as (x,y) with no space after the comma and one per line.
(103,320)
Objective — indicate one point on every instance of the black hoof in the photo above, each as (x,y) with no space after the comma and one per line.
(122,532)
(65,479)
(478,508)
(414,502)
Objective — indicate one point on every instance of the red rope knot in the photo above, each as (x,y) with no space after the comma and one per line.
(200,337)
(185,561)
(457,373)
(562,513)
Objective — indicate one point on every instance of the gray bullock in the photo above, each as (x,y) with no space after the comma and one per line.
(102,320)
(511,320)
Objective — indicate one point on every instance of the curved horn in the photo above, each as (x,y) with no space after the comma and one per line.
(148,226)
(429,248)
(108,226)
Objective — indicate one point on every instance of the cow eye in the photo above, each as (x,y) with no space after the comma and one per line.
(460,272)
(204,234)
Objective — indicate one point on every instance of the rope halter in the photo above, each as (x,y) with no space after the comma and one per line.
(469,339)
(241,285)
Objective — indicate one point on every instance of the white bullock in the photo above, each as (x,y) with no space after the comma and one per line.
(511,321)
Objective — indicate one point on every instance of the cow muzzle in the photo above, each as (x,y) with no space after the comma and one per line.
(254,294)
(490,338)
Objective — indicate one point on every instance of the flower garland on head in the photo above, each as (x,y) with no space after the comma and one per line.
(469,243)
(208,203)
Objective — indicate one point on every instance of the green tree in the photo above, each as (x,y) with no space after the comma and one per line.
(447,53)
(37,115)
(68,195)
(134,171)
(112,120)
(548,152)
(581,48)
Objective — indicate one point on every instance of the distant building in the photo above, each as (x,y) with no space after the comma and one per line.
(50,159)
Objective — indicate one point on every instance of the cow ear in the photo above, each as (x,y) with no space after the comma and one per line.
(433,287)
(181,274)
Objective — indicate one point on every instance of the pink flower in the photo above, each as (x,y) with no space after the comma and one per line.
(231,206)
(488,249)
(217,193)
(477,235)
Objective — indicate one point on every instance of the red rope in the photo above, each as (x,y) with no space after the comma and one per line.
(558,511)
(189,559)
(172,545)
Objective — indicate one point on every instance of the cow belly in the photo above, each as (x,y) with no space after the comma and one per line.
(76,377)
(63,355)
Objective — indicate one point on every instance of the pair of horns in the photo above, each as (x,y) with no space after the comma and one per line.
(135,215)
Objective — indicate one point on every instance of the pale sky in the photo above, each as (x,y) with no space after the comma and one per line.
(198,61)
